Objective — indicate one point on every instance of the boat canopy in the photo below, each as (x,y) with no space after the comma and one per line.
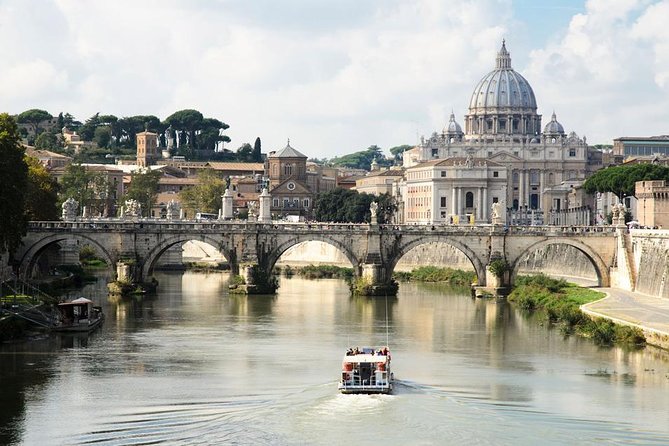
(78,301)
(365,358)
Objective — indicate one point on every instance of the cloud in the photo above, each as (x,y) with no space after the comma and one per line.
(333,76)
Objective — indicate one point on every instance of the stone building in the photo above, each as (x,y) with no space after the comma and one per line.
(287,173)
(502,126)
(147,149)
(652,206)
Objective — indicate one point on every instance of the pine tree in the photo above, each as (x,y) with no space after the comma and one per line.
(13,184)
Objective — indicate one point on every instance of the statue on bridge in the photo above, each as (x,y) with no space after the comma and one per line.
(173,210)
(496,214)
(70,207)
(132,209)
(253,213)
(373,209)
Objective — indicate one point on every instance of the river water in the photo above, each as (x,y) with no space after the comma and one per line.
(194,365)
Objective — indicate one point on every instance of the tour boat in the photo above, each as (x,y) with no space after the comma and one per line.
(78,315)
(366,370)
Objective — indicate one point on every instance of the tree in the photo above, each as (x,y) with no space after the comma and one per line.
(13,183)
(188,121)
(34,117)
(131,125)
(397,151)
(211,134)
(102,136)
(362,159)
(77,183)
(621,180)
(387,208)
(144,188)
(47,141)
(245,153)
(87,131)
(41,192)
(257,155)
(343,206)
(204,196)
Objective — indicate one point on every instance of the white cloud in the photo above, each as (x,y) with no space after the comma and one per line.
(333,76)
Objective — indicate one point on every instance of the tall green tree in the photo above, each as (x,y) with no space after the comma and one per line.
(77,183)
(102,136)
(204,196)
(621,180)
(47,141)
(188,121)
(131,125)
(397,151)
(257,151)
(41,193)
(34,117)
(245,153)
(343,206)
(144,188)
(362,159)
(13,184)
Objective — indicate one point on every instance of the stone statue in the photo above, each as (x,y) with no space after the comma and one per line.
(133,209)
(495,210)
(169,138)
(251,205)
(469,162)
(173,210)
(373,208)
(70,207)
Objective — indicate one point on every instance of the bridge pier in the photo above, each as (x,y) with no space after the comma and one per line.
(375,280)
(257,280)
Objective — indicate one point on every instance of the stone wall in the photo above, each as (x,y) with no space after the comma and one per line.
(651,259)
(558,261)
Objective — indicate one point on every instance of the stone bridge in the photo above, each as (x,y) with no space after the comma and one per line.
(373,250)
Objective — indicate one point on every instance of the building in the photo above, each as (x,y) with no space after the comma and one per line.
(652,206)
(381,181)
(287,173)
(147,149)
(502,126)
(48,159)
(627,146)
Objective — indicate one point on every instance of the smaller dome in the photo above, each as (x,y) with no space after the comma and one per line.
(554,127)
(452,128)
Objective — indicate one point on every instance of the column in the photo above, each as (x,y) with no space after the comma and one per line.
(542,181)
(486,206)
(479,207)
(521,188)
(453,200)
(459,201)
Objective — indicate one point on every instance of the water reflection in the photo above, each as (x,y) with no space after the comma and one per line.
(194,361)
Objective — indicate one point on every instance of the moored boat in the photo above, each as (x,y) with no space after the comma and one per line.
(366,370)
(78,315)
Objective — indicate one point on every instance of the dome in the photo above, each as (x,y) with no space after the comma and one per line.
(452,128)
(503,88)
(553,127)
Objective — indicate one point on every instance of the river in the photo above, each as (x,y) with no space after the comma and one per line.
(194,365)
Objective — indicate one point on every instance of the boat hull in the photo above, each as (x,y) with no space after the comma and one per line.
(79,328)
(366,390)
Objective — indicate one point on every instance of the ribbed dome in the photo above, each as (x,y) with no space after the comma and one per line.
(503,88)
(453,128)
(554,127)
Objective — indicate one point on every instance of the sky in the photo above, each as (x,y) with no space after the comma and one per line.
(337,76)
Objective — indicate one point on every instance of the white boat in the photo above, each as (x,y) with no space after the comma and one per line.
(366,370)
(78,315)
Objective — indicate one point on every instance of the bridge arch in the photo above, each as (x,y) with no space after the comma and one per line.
(156,252)
(276,253)
(404,249)
(601,269)
(33,252)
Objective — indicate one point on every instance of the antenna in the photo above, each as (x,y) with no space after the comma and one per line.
(387,342)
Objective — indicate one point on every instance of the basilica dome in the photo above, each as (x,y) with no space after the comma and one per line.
(503,102)
(452,128)
(554,127)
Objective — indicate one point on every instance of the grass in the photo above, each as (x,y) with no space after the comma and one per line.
(451,276)
(560,302)
(317,272)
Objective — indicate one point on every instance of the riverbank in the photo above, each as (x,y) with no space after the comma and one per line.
(561,304)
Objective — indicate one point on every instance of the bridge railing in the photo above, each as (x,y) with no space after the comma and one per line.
(241,226)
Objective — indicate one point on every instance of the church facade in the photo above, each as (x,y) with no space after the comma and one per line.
(503,156)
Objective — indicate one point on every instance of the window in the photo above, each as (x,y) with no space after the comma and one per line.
(285,202)
(275,202)
(469,200)
(443,173)
(288,169)
(435,152)
(443,202)
(305,202)
(572,152)
(495,200)
(495,174)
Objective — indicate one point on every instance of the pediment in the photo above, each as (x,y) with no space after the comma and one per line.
(503,157)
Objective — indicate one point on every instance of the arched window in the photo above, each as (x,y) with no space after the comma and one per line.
(469,200)
(551,178)
(288,169)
